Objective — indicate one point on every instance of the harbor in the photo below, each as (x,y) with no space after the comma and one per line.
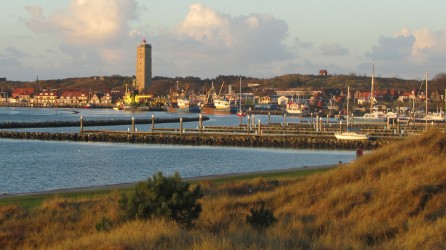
(252,131)
(105,147)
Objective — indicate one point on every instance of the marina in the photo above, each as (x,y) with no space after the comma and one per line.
(59,157)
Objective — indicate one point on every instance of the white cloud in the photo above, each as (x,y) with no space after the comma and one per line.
(215,43)
(90,33)
(411,51)
(424,39)
(86,22)
(206,43)
(206,25)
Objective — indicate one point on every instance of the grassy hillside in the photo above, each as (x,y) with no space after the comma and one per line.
(392,198)
(161,85)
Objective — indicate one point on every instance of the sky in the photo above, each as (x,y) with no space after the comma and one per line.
(56,39)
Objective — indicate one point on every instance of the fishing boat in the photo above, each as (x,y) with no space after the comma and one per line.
(194,108)
(215,104)
(296,108)
(179,105)
(178,102)
(210,108)
(350,135)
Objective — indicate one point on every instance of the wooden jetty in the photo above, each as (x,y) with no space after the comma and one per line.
(305,135)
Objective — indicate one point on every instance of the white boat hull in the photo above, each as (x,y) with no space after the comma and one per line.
(351,136)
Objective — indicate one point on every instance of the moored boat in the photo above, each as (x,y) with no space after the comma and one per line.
(351,136)
(175,109)
(211,109)
(296,109)
(437,117)
(194,109)
(373,117)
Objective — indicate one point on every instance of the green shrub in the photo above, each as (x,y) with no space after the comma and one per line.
(261,218)
(104,225)
(161,196)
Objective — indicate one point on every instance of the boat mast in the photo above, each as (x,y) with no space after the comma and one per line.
(348,98)
(371,91)
(240,95)
(425,115)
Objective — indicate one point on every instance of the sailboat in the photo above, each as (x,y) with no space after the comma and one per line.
(240,111)
(373,116)
(429,117)
(348,135)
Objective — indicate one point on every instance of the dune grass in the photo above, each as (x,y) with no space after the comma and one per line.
(392,198)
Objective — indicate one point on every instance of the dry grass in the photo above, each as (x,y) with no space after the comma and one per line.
(392,198)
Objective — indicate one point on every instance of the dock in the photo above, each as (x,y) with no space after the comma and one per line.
(305,135)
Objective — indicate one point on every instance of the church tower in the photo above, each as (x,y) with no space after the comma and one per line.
(143,66)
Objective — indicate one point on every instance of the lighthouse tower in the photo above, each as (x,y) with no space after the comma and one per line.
(143,66)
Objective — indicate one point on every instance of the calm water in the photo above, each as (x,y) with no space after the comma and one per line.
(31,165)
(43,114)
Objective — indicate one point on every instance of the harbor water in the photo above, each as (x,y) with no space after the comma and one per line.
(33,165)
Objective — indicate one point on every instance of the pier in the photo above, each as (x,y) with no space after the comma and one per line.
(114,122)
(303,135)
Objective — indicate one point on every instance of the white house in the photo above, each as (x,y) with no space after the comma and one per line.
(282,100)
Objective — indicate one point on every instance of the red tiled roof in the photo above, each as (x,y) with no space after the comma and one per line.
(22,91)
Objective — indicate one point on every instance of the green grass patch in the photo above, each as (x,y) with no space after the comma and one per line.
(280,174)
(35,200)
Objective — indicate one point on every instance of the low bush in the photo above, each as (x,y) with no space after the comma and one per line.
(166,197)
(105,224)
(261,218)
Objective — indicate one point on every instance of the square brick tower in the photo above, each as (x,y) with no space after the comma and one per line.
(143,66)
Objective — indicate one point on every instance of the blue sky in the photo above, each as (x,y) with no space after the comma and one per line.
(259,38)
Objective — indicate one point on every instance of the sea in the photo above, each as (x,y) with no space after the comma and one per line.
(28,166)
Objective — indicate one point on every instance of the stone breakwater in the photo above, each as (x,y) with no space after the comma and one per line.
(49,124)
(239,140)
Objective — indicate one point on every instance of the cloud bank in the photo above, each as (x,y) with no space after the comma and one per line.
(211,43)
(91,34)
(411,51)
(99,37)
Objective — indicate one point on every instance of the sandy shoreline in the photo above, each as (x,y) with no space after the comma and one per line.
(187,179)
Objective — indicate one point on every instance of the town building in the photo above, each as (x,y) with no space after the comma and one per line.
(22,93)
(46,98)
(143,66)
(73,98)
(101,99)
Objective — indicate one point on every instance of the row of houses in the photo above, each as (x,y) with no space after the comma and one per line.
(357,97)
(28,96)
